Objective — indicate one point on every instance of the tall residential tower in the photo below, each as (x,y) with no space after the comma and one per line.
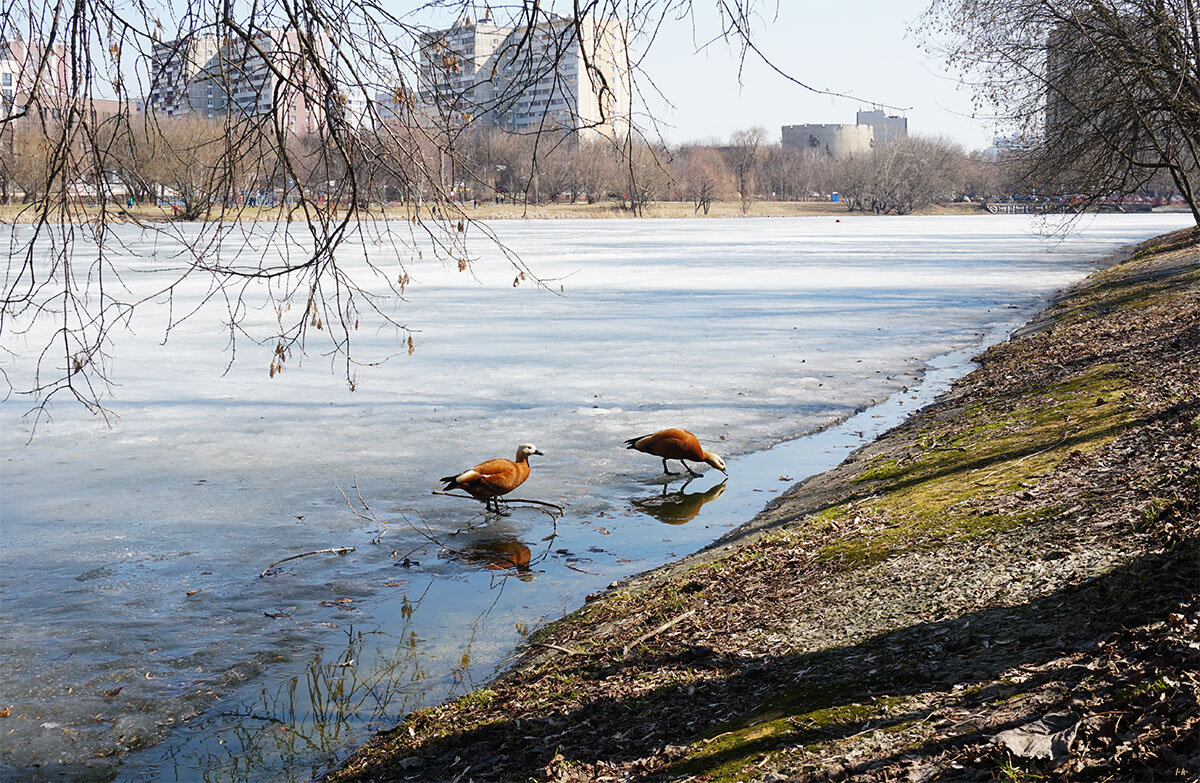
(554,75)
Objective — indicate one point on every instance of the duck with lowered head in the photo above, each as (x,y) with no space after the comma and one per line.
(677,444)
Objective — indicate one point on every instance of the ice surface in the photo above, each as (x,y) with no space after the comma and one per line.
(744,331)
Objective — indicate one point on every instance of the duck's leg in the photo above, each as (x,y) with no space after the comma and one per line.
(505,511)
(665,470)
(689,468)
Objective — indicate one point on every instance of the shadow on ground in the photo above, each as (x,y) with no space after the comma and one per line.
(829,687)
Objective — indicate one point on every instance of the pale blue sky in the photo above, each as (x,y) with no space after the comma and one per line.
(866,48)
(863,47)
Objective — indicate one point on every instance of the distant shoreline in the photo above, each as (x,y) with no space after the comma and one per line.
(17,213)
(11,214)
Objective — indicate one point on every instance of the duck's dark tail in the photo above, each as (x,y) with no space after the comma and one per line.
(451,482)
(632,442)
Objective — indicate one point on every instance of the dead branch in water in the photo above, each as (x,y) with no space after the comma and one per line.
(561,509)
(340,550)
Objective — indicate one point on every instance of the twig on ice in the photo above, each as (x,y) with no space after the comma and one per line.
(339,550)
(366,513)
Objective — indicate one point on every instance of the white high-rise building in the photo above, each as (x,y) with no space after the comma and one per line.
(459,70)
(553,76)
(10,76)
(198,76)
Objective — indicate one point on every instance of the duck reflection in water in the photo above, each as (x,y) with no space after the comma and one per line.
(503,555)
(680,507)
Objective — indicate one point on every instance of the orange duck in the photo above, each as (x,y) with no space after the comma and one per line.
(487,481)
(676,444)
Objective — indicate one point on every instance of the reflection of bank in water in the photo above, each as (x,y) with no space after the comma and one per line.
(676,508)
(503,555)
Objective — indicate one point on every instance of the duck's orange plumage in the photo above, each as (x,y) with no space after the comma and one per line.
(495,477)
(677,444)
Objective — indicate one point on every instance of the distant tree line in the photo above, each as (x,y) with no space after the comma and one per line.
(202,169)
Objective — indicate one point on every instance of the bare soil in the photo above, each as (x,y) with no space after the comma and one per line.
(1005,587)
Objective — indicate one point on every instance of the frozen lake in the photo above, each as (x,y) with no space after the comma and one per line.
(138,640)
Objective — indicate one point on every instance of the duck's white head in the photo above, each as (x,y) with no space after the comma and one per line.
(525,450)
(715,461)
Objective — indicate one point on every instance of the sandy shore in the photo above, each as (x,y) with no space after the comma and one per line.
(1003,587)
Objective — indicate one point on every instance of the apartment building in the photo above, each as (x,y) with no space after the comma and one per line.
(33,72)
(885,128)
(9,74)
(177,69)
(837,141)
(555,75)
(459,73)
(202,76)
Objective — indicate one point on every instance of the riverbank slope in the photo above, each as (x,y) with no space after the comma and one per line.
(1002,587)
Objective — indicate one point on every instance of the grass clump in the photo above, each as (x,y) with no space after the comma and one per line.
(480,698)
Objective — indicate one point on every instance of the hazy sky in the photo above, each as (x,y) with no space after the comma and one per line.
(863,47)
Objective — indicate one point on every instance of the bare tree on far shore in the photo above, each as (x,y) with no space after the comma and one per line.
(703,176)
(1106,91)
(903,176)
(743,153)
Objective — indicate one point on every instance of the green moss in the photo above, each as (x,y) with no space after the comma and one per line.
(798,716)
(1122,288)
(880,468)
(926,501)
(819,522)
(924,533)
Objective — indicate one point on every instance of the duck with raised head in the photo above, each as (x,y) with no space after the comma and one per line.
(488,480)
(677,444)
